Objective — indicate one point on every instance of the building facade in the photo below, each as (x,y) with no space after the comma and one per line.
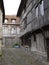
(34,15)
(2,15)
(11,29)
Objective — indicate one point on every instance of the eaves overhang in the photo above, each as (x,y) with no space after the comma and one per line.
(21,7)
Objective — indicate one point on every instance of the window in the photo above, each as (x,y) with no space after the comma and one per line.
(42,8)
(18,30)
(6,20)
(36,11)
(25,8)
(9,27)
(25,22)
(12,30)
(13,21)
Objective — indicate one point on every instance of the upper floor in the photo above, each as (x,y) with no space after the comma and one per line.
(34,15)
(11,19)
(11,26)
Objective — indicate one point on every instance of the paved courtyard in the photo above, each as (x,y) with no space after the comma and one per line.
(18,56)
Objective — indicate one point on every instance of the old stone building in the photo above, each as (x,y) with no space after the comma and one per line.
(11,28)
(34,15)
(2,15)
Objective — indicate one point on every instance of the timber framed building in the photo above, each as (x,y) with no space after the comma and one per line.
(34,15)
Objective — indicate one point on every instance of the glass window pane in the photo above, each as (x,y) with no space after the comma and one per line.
(18,30)
(6,20)
(13,21)
(42,8)
(37,12)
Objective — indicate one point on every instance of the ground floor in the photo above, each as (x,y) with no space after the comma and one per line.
(19,56)
(37,41)
(10,41)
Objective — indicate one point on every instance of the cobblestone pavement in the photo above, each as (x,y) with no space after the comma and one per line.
(17,56)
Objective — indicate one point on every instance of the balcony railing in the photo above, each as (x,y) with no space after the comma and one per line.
(9,34)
